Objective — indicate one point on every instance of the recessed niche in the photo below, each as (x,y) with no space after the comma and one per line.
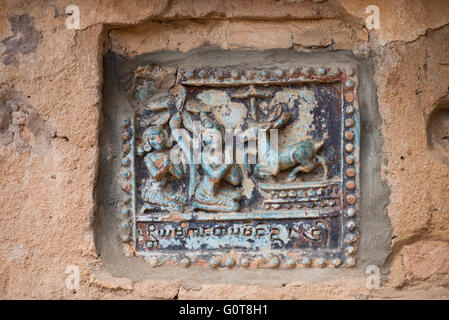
(438,129)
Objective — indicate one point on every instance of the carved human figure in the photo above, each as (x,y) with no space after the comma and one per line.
(159,168)
(210,194)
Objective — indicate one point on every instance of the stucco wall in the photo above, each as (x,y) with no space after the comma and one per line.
(51,118)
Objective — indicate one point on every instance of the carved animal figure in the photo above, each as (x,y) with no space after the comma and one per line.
(302,154)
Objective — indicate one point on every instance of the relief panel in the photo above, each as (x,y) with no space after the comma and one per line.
(243,167)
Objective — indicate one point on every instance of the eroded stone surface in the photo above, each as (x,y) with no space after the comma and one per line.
(22,124)
(407,92)
(421,263)
(24,40)
(401,21)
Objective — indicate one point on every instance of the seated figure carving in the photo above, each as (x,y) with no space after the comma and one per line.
(210,194)
(159,168)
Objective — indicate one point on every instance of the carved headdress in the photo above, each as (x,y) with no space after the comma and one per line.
(157,129)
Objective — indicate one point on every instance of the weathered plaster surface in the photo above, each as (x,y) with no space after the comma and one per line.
(47,189)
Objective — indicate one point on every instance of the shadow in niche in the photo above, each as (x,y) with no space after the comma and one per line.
(437,127)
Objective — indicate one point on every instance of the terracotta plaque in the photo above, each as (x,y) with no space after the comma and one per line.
(243,167)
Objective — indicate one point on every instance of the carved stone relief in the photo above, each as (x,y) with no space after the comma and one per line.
(234,167)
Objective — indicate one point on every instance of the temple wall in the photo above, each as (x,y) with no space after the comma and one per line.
(52,115)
